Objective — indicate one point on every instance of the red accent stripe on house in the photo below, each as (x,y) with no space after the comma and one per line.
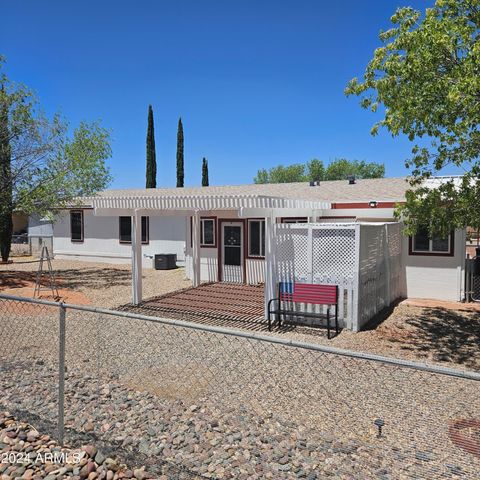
(365,205)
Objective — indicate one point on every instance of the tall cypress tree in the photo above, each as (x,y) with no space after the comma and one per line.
(205,182)
(151,155)
(180,165)
(6,195)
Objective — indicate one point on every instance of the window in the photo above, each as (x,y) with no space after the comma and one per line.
(207,232)
(256,238)
(422,244)
(76,225)
(125,229)
(295,220)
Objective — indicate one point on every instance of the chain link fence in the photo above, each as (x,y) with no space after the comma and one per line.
(189,400)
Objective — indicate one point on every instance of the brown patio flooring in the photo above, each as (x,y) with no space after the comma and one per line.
(219,304)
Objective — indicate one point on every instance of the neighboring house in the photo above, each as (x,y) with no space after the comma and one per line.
(20,223)
(222,233)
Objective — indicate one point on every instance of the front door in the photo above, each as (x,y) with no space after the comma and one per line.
(232,252)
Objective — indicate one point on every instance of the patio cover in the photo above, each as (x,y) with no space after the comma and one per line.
(246,205)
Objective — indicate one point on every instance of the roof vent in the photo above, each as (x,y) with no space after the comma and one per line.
(314,183)
(351,179)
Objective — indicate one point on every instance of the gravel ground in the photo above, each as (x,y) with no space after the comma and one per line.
(32,455)
(104,284)
(227,407)
(435,335)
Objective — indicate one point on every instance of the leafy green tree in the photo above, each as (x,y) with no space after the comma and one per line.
(341,168)
(205,181)
(281,174)
(41,168)
(261,176)
(315,170)
(180,160)
(151,155)
(426,75)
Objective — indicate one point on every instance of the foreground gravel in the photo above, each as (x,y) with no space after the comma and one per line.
(29,454)
(216,406)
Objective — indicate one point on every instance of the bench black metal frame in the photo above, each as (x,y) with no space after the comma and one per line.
(305,293)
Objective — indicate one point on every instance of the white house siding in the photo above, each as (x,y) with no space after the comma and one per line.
(436,277)
(101,239)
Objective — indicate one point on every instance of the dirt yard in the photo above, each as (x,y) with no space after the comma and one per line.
(100,284)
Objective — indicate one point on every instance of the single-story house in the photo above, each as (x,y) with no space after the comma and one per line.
(235,234)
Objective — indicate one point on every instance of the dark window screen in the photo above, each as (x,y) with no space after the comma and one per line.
(207,232)
(76,226)
(421,242)
(126,229)
(254,238)
(233,242)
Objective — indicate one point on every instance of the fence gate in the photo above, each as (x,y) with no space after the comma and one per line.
(472,282)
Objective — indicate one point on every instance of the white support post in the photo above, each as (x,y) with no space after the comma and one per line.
(270,262)
(356,313)
(136,259)
(196,249)
(388,267)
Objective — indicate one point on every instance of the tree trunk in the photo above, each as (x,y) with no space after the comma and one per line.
(6,193)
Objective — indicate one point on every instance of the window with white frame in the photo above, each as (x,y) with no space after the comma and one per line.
(256,238)
(423,244)
(207,232)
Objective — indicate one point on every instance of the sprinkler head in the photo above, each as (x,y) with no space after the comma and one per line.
(379,423)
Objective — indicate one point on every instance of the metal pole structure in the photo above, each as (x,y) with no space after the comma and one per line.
(61,375)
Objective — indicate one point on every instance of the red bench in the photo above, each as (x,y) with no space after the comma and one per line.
(314,294)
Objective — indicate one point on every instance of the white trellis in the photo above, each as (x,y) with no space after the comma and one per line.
(364,260)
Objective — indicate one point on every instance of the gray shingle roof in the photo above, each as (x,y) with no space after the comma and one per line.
(379,189)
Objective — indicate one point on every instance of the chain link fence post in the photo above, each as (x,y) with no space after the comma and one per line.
(61,375)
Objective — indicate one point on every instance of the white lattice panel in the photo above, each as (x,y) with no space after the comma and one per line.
(319,254)
(333,252)
(291,253)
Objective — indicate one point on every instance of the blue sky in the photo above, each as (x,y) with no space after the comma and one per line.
(257,83)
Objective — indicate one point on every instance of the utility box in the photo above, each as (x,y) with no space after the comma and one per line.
(165,261)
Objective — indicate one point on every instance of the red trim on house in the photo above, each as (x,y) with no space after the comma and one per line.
(365,205)
(220,221)
(451,253)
